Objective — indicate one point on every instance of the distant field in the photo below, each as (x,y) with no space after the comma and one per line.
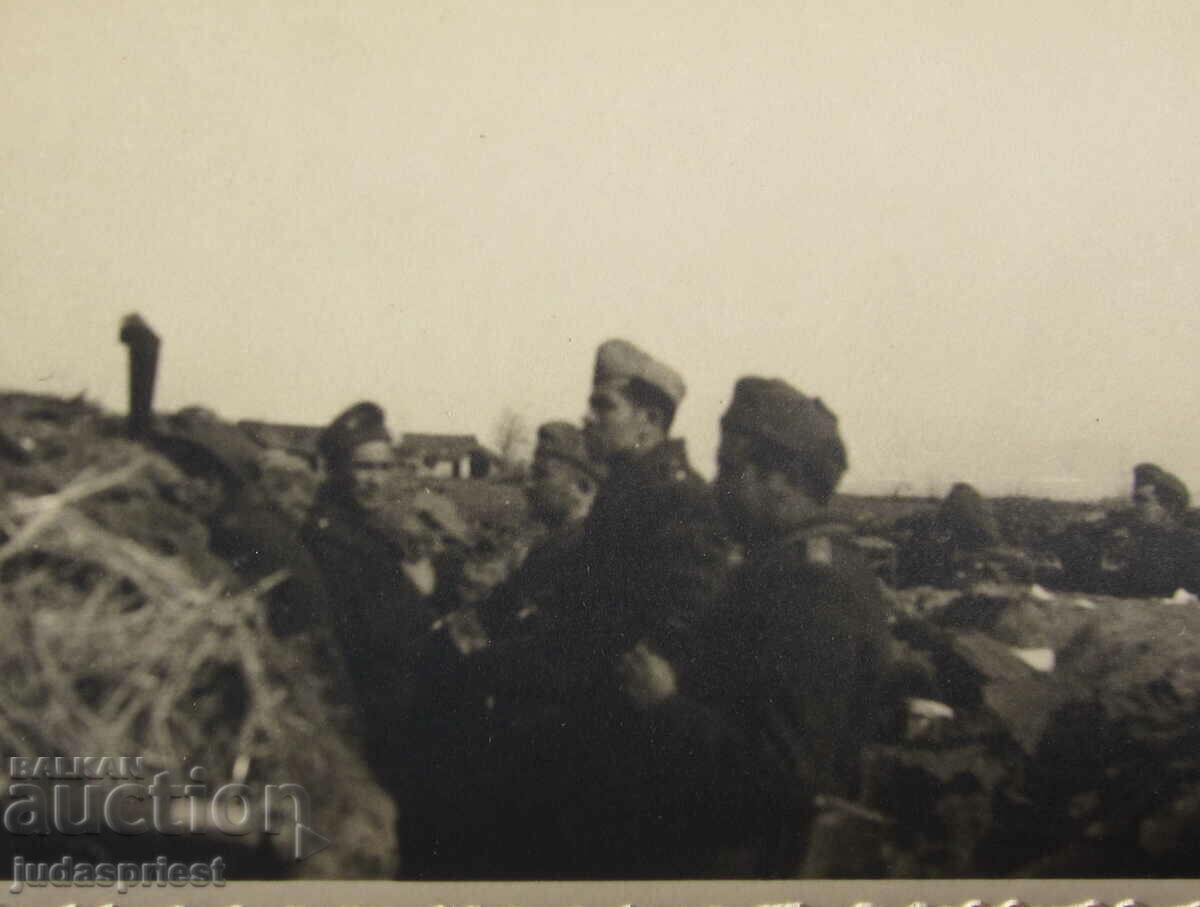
(882,510)
(499,508)
(1023,521)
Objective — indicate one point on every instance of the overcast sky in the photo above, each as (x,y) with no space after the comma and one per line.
(972,228)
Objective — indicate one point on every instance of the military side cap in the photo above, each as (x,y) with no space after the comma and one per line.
(1171,490)
(359,424)
(565,442)
(775,411)
(620,360)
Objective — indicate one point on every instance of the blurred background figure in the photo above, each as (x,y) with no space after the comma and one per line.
(563,481)
(1150,548)
(494,688)
(959,544)
(1159,498)
(246,526)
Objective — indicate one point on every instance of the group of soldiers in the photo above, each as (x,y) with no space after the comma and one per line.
(1150,546)
(672,682)
(677,680)
(668,684)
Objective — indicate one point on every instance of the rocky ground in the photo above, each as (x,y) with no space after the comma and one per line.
(1047,734)
(1071,750)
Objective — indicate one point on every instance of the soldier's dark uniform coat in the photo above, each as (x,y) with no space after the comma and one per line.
(655,550)
(378,617)
(259,540)
(793,686)
(1117,556)
(574,773)
(539,633)
(1159,560)
(546,583)
(655,561)
(500,762)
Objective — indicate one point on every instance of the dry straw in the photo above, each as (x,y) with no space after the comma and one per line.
(114,649)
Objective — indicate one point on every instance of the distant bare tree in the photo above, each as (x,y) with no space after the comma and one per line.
(513,440)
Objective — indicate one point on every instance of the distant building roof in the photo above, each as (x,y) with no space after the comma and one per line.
(447,447)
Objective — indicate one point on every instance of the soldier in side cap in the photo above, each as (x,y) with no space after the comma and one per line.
(378,611)
(1149,549)
(518,656)
(794,672)
(655,544)
(563,481)
(387,556)
(544,590)
(1164,554)
(655,558)
(958,544)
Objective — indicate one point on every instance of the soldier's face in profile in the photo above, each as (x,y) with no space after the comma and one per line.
(370,471)
(739,486)
(613,425)
(1148,508)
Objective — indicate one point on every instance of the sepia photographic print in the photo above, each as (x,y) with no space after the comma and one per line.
(599,453)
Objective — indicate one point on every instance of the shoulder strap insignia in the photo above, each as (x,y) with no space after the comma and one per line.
(818,550)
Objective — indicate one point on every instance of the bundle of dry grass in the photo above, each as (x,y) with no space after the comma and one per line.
(113,648)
